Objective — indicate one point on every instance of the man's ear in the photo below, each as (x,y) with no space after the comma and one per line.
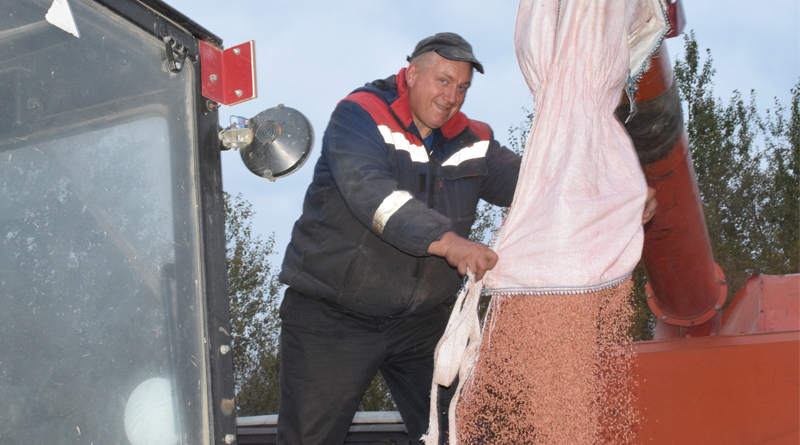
(411,74)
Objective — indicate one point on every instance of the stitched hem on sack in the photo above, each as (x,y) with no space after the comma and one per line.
(555,290)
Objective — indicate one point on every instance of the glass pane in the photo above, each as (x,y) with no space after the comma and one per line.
(100,282)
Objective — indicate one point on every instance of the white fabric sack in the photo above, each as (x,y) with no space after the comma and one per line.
(575,223)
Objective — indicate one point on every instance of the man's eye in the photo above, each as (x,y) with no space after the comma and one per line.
(442,81)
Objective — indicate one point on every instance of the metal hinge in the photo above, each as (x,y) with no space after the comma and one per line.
(176,53)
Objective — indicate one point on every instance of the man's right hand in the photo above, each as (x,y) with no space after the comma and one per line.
(649,206)
(464,254)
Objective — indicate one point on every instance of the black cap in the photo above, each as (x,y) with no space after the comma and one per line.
(450,46)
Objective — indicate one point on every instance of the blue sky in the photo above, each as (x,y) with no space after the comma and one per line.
(311,54)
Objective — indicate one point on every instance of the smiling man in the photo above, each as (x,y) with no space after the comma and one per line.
(380,249)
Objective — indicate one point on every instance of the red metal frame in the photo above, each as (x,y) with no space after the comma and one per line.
(766,303)
(739,389)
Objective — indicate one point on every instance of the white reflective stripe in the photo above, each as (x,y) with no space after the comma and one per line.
(389,207)
(475,151)
(386,132)
(417,152)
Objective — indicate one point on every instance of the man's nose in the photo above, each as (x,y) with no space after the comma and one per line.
(450,94)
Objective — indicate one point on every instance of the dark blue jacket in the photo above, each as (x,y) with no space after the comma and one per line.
(380,197)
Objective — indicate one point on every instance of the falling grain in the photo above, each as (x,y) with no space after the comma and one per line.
(553,369)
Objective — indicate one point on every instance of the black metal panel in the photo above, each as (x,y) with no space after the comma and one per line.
(368,428)
(379,434)
(216,284)
(188,24)
(158,18)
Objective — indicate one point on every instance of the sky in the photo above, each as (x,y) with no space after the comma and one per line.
(311,54)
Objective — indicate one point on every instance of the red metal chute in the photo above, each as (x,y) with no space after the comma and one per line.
(686,289)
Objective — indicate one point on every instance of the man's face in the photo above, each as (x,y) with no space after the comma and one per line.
(436,91)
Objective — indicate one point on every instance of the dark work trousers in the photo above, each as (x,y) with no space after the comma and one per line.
(329,356)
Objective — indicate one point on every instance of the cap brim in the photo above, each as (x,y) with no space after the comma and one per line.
(460,55)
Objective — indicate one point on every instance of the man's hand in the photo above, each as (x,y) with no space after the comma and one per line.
(649,205)
(464,254)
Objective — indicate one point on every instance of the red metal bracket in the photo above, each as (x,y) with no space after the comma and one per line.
(676,17)
(229,76)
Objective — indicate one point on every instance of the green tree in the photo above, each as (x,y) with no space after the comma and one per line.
(254,294)
(487,216)
(781,206)
(747,173)
(253,291)
(378,397)
(727,160)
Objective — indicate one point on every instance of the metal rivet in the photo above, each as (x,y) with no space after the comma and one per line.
(663,317)
(236,51)
(224,349)
(716,307)
(213,77)
(229,438)
(648,295)
(238,93)
(723,281)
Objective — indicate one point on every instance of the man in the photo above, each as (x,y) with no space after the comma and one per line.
(380,249)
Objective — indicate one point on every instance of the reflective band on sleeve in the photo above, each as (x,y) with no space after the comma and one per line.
(475,151)
(386,132)
(417,152)
(389,207)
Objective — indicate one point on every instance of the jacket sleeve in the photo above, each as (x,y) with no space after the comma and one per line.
(502,167)
(362,170)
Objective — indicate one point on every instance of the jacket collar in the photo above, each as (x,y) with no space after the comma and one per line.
(402,109)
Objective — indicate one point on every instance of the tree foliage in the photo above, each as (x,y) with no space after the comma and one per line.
(488,217)
(781,211)
(253,292)
(378,397)
(747,173)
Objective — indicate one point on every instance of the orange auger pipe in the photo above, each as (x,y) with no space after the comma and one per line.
(685,289)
